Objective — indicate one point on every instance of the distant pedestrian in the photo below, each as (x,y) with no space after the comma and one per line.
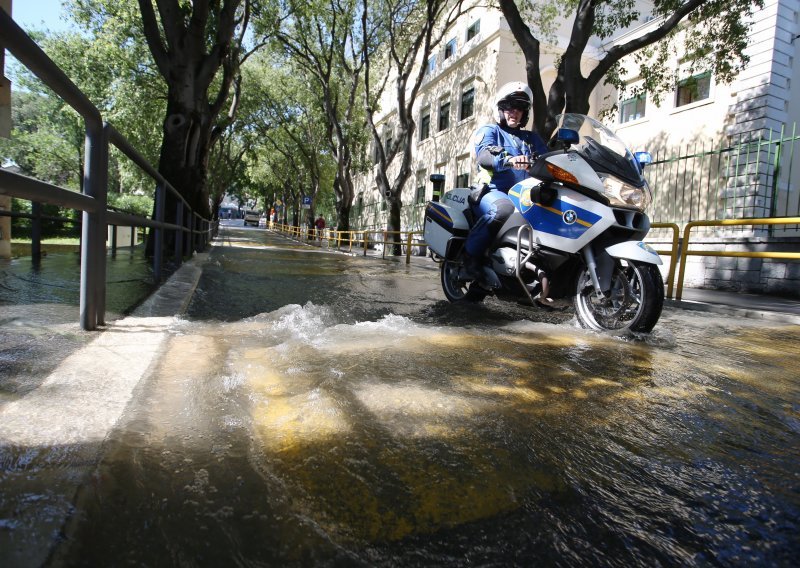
(320,226)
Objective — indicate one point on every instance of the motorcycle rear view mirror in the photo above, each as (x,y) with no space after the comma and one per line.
(643,158)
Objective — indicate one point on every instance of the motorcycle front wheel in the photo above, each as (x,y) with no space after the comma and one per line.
(634,302)
(459,290)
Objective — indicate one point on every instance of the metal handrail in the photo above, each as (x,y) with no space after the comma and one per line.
(333,235)
(407,244)
(93,202)
(678,253)
(741,254)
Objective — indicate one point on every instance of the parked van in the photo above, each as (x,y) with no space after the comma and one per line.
(251,217)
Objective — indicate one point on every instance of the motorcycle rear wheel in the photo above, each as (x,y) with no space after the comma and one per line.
(459,290)
(633,304)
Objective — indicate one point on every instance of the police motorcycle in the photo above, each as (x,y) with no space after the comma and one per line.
(576,233)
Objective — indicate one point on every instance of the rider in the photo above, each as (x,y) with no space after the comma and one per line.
(503,152)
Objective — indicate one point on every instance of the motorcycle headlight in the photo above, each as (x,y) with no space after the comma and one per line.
(622,193)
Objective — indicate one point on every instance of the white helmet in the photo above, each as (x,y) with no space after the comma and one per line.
(515,94)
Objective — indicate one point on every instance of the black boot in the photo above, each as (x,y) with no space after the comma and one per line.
(472,268)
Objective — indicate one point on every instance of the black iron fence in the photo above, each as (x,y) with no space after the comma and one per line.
(751,176)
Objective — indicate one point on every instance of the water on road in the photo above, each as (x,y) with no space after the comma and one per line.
(321,409)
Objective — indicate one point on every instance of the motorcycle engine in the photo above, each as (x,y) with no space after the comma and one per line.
(504,261)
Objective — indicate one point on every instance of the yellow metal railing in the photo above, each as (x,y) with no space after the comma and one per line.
(685,252)
(408,244)
(361,238)
(673,254)
(679,250)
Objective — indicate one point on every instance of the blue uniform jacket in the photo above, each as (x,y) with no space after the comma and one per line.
(509,142)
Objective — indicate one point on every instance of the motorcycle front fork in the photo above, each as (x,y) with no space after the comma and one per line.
(588,258)
(591,265)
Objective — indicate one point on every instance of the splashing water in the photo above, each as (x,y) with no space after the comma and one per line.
(334,430)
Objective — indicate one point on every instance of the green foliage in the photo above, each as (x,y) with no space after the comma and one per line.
(111,66)
(284,124)
(141,205)
(47,138)
(115,69)
(711,35)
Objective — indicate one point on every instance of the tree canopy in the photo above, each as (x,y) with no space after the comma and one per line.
(716,42)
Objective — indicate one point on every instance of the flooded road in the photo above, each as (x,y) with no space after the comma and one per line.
(316,409)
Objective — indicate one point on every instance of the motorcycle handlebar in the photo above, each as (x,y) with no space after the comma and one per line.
(522,164)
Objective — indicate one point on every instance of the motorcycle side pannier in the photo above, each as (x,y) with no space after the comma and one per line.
(441,223)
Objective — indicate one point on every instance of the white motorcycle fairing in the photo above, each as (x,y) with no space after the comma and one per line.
(634,250)
(571,222)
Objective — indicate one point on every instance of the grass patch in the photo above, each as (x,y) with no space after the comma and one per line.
(21,247)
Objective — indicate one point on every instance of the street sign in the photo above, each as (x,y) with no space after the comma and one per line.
(306,202)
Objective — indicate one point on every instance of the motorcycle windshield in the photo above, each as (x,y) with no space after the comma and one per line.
(602,149)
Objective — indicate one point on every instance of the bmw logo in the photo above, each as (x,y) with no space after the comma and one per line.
(569,217)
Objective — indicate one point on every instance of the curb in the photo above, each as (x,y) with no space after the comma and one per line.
(173,296)
(765,315)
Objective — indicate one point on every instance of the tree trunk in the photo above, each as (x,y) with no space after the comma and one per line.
(184,157)
(190,69)
(343,191)
(395,205)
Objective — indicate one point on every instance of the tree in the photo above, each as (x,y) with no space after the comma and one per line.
(717,41)
(400,34)
(198,48)
(286,131)
(319,37)
(115,75)
(227,165)
(291,126)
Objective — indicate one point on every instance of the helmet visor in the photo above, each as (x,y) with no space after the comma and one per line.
(518,102)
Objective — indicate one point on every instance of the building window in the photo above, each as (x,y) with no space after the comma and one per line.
(444,115)
(388,142)
(425,124)
(693,89)
(463,167)
(467,103)
(450,49)
(420,194)
(431,65)
(473,30)
(632,109)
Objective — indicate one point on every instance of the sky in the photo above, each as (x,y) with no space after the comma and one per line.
(39,14)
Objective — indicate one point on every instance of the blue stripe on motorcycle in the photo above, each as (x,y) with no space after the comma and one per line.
(554,219)
(440,212)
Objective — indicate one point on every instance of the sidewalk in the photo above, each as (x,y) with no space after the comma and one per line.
(752,306)
(755,306)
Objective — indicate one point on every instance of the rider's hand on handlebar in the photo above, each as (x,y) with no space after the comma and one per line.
(519,162)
